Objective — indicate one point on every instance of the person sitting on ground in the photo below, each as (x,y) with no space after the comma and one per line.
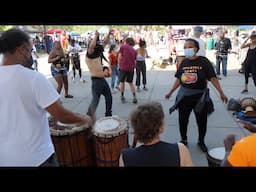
(241,153)
(148,123)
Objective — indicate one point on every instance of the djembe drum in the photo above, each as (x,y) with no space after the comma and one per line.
(249,105)
(215,156)
(73,144)
(110,137)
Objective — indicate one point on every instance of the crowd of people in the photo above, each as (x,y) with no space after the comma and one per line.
(23,145)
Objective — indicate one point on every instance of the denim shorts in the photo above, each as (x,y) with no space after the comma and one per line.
(59,71)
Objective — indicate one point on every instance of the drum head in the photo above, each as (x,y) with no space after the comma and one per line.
(62,129)
(217,153)
(108,127)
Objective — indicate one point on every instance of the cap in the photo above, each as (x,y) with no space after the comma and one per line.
(198,29)
(253,34)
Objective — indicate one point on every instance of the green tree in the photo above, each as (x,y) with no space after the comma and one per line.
(5,27)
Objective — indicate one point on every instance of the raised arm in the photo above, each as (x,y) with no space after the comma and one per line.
(93,43)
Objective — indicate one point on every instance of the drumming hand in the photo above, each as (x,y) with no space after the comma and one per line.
(89,120)
(229,141)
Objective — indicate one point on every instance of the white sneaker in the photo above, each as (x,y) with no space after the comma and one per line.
(113,91)
(73,79)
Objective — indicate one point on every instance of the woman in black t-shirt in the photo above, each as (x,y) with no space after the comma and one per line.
(192,76)
(250,61)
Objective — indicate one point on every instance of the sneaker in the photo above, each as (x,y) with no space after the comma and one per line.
(135,100)
(73,78)
(113,91)
(117,88)
(145,88)
(122,99)
(185,142)
(244,91)
(202,146)
(69,96)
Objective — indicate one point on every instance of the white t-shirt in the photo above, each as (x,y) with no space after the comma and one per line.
(24,131)
(74,49)
(202,49)
(33,52)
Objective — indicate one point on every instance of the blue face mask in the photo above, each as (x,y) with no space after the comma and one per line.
(189,52)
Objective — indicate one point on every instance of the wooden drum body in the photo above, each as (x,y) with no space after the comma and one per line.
(110,137)
(73,144)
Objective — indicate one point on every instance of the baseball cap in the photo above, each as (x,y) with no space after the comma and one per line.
(198,29)
(253,34)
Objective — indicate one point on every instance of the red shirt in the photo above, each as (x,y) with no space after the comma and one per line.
(128,59)
(113,59)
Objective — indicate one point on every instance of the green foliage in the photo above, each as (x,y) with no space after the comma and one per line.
(5,27)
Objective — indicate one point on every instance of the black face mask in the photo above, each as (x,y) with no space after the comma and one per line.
(28,62)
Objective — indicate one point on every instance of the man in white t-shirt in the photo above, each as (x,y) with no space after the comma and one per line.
(73,51)
(25,98)
(197,32)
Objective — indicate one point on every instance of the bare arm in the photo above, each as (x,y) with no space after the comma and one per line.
(249,126)
(35,52)
(244,45)
(52,57)
(216,84)
(147,56)
(121,162)
(106,40)
(65,116)
(119,57)
(93,43)
(185,157)
(174,87)
(229,141)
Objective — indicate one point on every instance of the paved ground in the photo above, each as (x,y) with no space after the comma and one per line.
(220,123)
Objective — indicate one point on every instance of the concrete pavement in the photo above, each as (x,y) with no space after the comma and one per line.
(220,123)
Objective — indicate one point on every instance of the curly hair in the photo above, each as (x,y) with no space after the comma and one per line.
(147,120)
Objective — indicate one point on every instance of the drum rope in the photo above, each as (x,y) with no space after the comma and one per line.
(69,142)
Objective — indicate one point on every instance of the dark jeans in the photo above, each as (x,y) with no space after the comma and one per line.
(186,105)
(224,60)
(100,87)
(141,68)
(51,162)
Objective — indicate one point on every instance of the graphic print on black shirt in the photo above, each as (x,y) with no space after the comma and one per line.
(194,74)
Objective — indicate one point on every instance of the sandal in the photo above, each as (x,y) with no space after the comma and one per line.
(69,96)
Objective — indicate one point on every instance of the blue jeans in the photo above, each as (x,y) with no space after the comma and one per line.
(100,87)
(224,60)
(114,75)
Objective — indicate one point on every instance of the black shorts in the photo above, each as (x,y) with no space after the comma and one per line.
(126,76)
